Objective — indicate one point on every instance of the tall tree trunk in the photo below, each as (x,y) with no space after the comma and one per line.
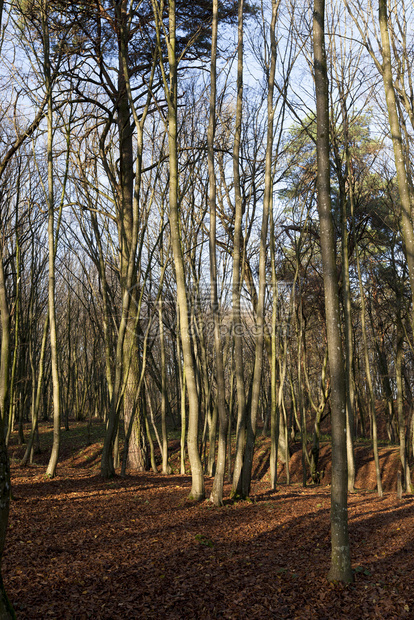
(51,468)
(237,256)
(126,363)
(230,425)
(6,610)
(300,336)
(340,553)
(274,408)
(128,224)
(170,90)
(406,223)
(260,307)
(346,298)
(216,496)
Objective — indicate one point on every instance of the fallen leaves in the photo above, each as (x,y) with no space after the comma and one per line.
(137,548)
(79,547)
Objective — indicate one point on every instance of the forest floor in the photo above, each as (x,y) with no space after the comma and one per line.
(79,547)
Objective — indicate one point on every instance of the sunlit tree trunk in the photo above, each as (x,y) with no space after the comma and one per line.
(237,256)
(340,553)
(275,413)
(183,419)
(170,90)
(230,424)
(53,236)
(51,468)
(406,222)
(300,337)
(346,296)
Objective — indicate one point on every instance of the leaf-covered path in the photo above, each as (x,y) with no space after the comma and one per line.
(79,547)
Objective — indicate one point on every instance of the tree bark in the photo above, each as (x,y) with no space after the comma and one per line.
(170,89)
(346,298)
(260,307)
(406,223)
(52,465)
(166,469)
(405,467)
(236,284)
(216,496)
(368,376)
(340,553)
(6,610)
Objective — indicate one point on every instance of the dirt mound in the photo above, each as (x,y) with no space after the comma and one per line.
(81,448)
(364,464)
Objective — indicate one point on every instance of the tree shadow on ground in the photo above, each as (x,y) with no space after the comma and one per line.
(136,548)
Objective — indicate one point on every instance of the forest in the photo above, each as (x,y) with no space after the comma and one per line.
(207,243)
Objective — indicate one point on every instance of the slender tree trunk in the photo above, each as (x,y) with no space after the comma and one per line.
(346,298)
(182,400)
(170,89)
(260,307)
(318,409)
(368,376)
(385,375)
(183,421)
(340,553)
(12,403)
(52,465)
(151,411)
(68,382)
(5,344)
(287,454)
(216,496)
(230,425)
(166,469)
(302,413)
(274,408)
(281,422)
(36,393)
(148,434)
(406,477)
(212,436)
(6,610)
(236,285)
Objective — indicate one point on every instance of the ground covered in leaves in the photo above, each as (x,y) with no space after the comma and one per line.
(79,547)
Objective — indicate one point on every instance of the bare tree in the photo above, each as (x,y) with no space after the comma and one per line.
(217,492)
(340,555)
(170,91)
